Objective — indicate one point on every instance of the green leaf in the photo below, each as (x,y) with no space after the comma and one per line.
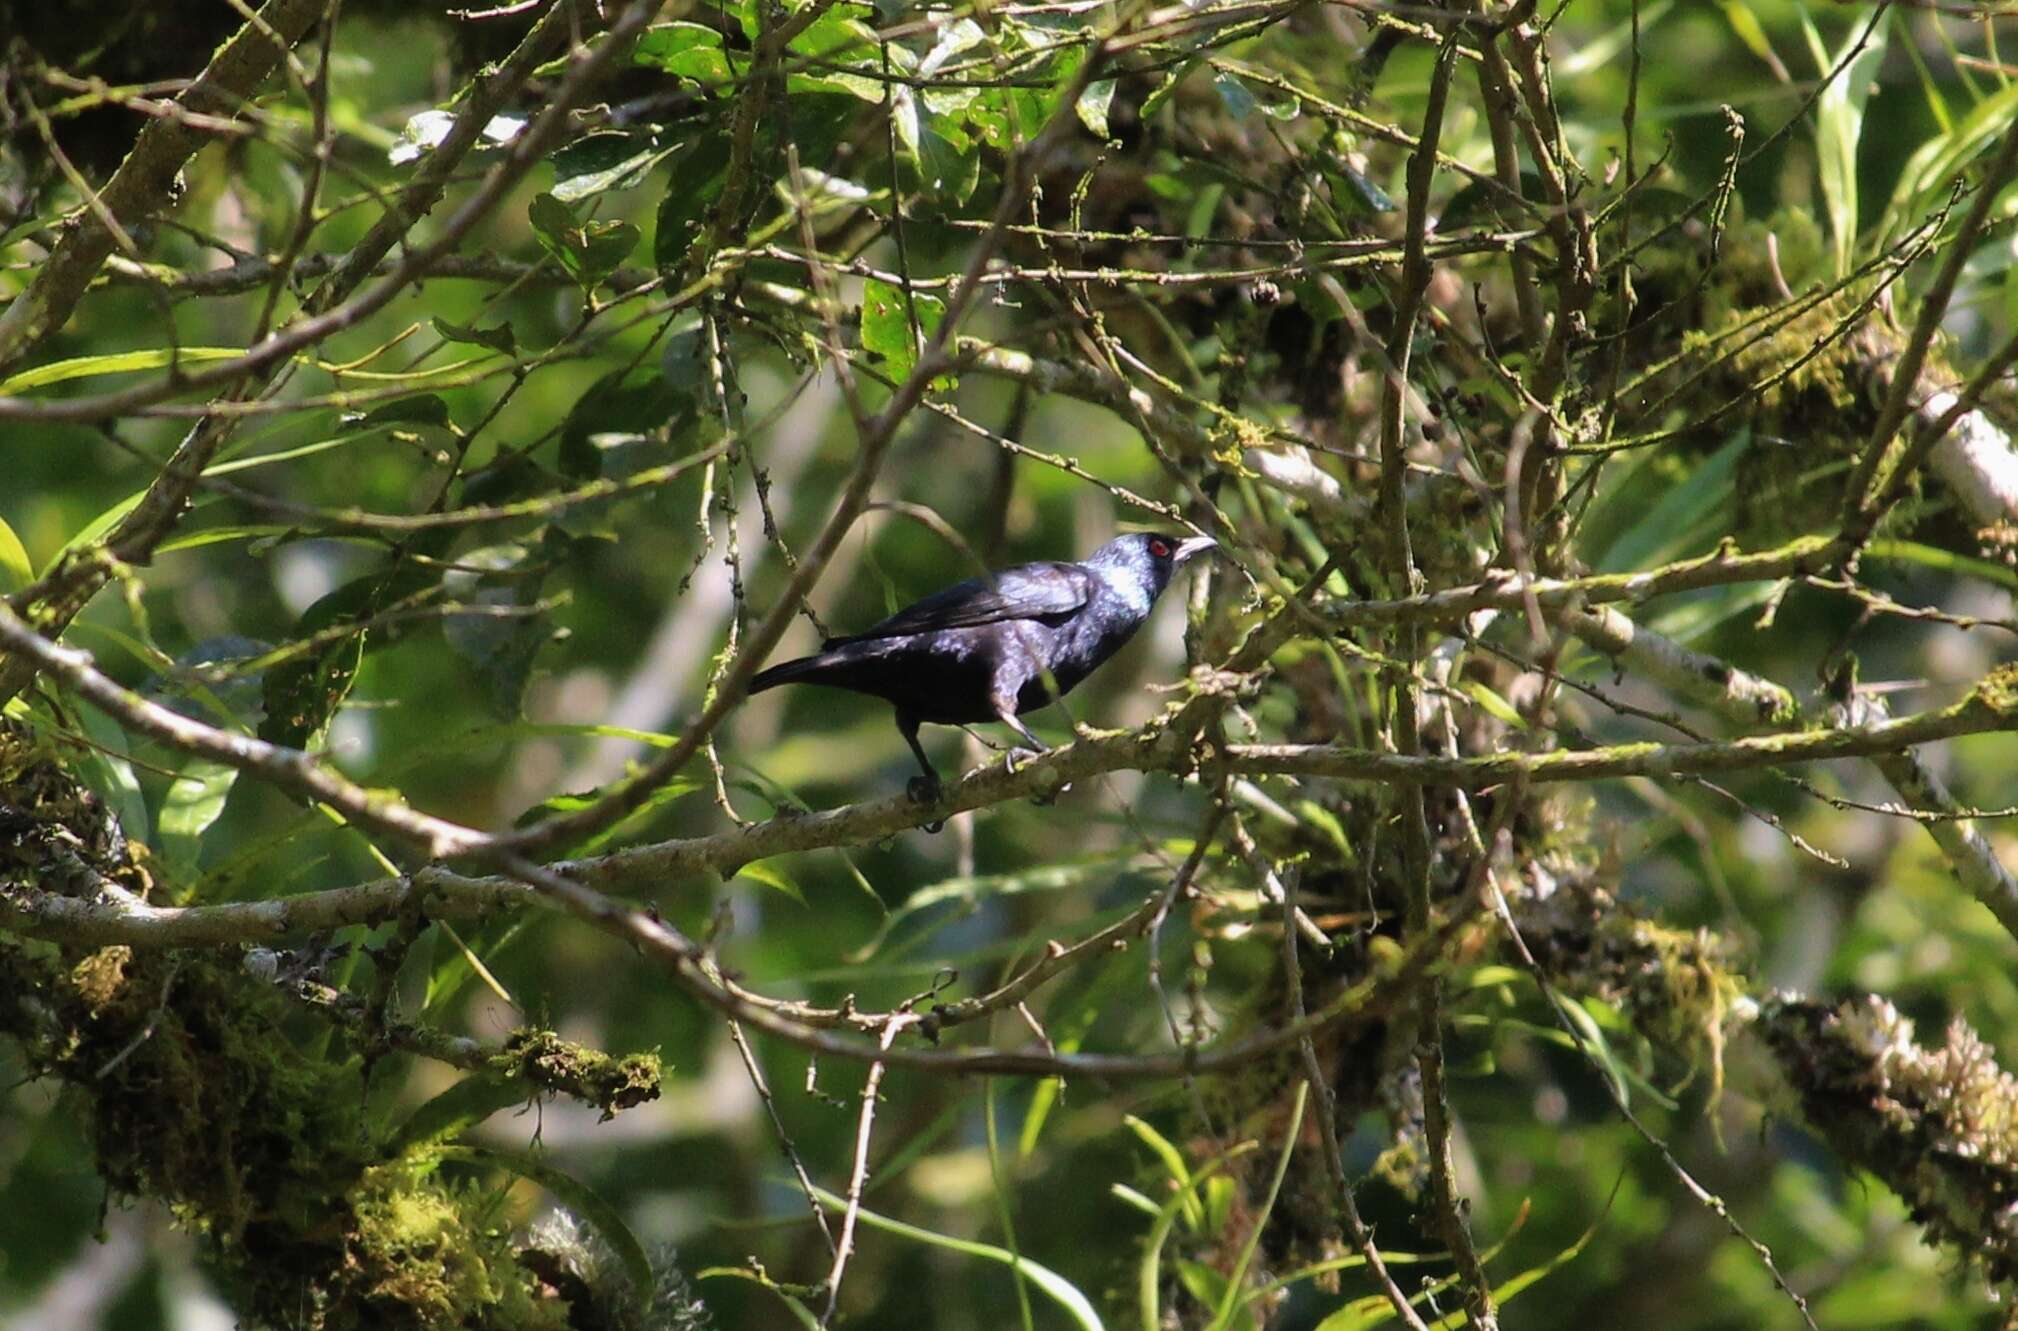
(498,337)
(1745,24)
(108,774)
(1496,706)
(612,159)
(771,877)
(1682,516)
(886,325)
(588,251)
(418,409)
(499,646)
(1506,1291)
(303,692)
(458,1109)
(96,529)
(1594,52)
(623,829)
(627,403)
(1940,159)
(956,38)
(425,132)
(1839,128)
(1092,106)
(194,800)
(1149,1271)
(122,362)
(1165,90)
(1354,193)
(1233,93)
(1944,561)
(1173,1163)
(1232,1313)
(847,56)
(948,161)
(1054,1286)
(688,50)
(693,184)
(15,570)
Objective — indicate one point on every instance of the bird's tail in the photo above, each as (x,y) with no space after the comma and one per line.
(806,667)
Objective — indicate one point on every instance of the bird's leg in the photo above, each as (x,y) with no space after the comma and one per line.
(1015,723)
(926,789)
(1007,713)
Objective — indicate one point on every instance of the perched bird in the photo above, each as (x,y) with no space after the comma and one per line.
(994,647)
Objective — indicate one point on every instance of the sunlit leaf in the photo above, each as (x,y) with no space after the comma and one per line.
(426,131)
(772,877)
(688,50)
(119,362)
(15,570)
(1092,106)
(887,329)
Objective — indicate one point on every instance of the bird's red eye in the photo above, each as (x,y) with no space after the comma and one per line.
(1159,547)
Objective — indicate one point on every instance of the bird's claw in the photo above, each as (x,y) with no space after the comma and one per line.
(925,791)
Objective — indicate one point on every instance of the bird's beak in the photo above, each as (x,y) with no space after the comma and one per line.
(1193,545)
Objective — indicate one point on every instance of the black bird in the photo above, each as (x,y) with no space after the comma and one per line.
(994,647)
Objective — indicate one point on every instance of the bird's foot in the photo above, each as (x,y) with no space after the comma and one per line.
(926,790)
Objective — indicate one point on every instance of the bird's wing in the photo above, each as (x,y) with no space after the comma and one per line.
(1029,591)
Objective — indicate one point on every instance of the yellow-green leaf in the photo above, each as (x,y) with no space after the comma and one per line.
(15,570)
(122,362)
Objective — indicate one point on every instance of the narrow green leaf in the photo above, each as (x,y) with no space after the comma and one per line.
(1173,1163)
(622,402)
(1749,31)
(122,362)
(1055,1287)
(90,533)
(456,1110)
(1595,52)
(1839,129)
(1229,1316)
(15,570)
(1681,516)
(760,872)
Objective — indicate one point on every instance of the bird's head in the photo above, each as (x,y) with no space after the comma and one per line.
(1149,558)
